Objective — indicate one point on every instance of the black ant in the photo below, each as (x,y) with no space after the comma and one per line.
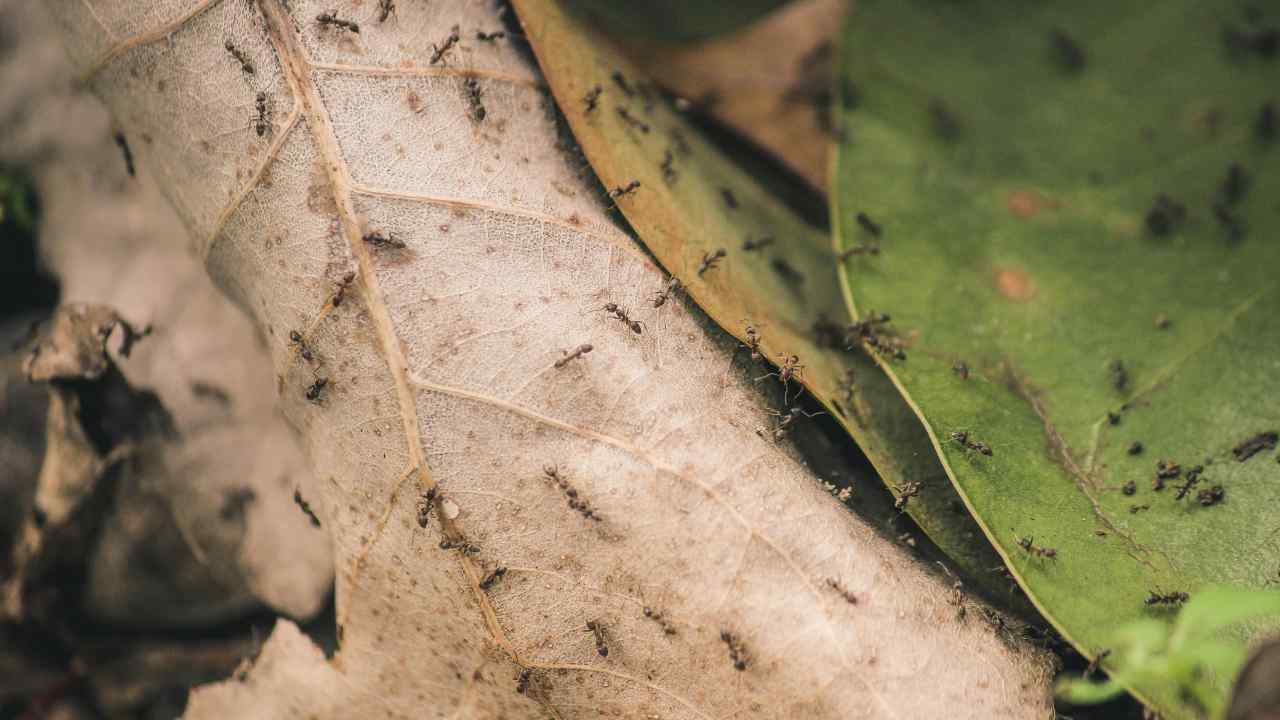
(490,36)
(907,492)
(342,288)
(786,272)
(1028,543)
(313,392)
(522,685)
(591,99)
(473,96)
(709,261)
(632,120)
(127,153)
(570,355)
(385,9)
(636,326)
(737,653)
(241,56)
(494,576)
(961,369)
(729,199)
(261,120)
(1162,598)
(619,191)
(868,224)
(296,338)
(1067,51)
(596,628)
(331,19)
(788,419)
(660,297)
(305,507)
(386,241)
(425,504)
(962,437)
(622,83)
(439,51)
(764,242)
(866,333)
(1211,496)
(669,173)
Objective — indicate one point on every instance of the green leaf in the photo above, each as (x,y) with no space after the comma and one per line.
(692,201)
(1016,183)
(672,19)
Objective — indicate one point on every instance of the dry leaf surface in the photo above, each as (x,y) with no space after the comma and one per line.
(490,254)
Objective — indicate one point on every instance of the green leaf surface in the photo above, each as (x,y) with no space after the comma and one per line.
(692,201)
(1013,156)
(672,19)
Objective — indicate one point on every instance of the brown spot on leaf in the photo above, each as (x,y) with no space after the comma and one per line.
(1014,283)
(1026,204)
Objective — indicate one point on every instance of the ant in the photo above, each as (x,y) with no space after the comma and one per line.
(1028,543)
(669,173)
(962,437)
(661,296)
(753,343)
(462,544)
(1162,598)
(786,272)
(791,369)
(379,240)
(619,191)
(331,19)
(737,653)
(622,83)
(126,152)
(490,36)
(522,685)
(342,287)
(494,576)
(385,9)
(764,242)
(425,504)
(709,261)
(305,507)
(439,51)
(789,418)
(591,99)
(261,121)
(729,199)
(1096,662)
(596,628)
(657,616)
(907,492)
(961,369)
(473,96)
(313,392)
(866,223)
(632,120)
(296,338)
(570,355)
(636,326)
(241,56)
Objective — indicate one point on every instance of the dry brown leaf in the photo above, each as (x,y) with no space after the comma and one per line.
(770,80)
(440,370)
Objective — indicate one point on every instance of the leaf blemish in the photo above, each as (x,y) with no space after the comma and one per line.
(1014,283)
